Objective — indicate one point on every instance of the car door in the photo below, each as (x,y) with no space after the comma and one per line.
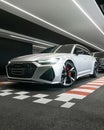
(80,61)
(89,60)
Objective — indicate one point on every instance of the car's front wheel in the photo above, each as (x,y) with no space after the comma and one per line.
(69,74)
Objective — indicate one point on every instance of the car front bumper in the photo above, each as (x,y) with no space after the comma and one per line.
(33,72)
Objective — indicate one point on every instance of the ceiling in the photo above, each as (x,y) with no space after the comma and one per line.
(81,20)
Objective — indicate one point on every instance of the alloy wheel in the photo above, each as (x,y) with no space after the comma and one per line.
(68,74)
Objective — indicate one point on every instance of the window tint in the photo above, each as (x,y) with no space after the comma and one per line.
(86,52)
(65,49)
(50,49)
(79,50)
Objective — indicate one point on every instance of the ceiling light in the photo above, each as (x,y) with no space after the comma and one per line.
(39,47)
(26,39)
(93,22)
(52,25)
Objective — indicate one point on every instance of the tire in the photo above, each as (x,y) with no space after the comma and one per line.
(69,74)
(95,71)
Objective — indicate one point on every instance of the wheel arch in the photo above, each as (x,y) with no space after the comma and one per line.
(71,62)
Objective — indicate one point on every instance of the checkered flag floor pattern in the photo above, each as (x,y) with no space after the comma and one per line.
(65,99)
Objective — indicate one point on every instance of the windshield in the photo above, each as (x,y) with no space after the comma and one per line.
(59,49)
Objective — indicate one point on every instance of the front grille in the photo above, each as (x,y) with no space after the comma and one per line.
(21,70)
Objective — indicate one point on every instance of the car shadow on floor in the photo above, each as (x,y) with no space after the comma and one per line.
(47,87)
(34,87)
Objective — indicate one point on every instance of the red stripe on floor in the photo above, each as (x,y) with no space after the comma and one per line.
(88,85)
(1,83)
(6,83)
(87,88)
(94,84)
(98,82)
(78,92)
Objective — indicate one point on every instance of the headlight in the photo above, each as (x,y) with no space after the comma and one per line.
(9,62)
(48,61)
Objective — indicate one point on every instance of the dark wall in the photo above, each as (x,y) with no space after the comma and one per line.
(10,49)
(17,24)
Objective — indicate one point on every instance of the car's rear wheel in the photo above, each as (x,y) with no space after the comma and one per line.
(95,71)
(69,74)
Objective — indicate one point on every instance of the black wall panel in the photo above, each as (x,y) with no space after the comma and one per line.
(10,49)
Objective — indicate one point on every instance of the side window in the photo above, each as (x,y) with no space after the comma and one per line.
(85,52)
(78,51)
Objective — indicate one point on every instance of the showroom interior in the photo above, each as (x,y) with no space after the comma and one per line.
(42,89)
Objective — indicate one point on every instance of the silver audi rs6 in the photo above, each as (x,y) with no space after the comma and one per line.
(61,64)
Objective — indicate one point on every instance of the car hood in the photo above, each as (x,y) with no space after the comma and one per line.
(35,57)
